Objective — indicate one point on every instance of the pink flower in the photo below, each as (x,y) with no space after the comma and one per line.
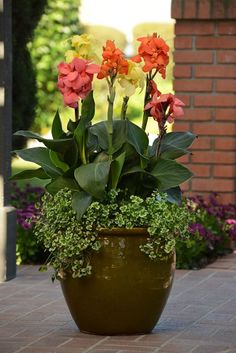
(75,80)
(165,106)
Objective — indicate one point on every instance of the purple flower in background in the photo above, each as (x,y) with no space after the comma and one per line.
(25,200)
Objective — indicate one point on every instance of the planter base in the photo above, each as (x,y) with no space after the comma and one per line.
(126,292)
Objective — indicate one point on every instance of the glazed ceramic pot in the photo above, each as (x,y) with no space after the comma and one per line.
(126,292)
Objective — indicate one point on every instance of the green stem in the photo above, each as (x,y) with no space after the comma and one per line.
(124,108)
(146,98)
(77,113)
(110,99)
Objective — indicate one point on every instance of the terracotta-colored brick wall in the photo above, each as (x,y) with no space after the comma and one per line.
(205,79)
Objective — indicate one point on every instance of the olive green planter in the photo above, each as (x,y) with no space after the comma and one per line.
(126,292)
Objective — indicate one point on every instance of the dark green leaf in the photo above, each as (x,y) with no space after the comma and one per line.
(30,173)
(116,168)
(169,174)
(60,183)
(40,156)
(175,144)
(137,138)
(57,162)
(80,202)
(57,131)
(59,145)
(88,107)
(174,195)
(93,178)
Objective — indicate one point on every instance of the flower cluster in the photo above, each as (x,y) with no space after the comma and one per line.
(75,80)
(75,76)
(220,218)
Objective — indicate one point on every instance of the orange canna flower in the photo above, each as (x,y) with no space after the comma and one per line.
(113,61)
(154,51)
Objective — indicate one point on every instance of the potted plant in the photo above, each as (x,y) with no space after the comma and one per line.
(113,208)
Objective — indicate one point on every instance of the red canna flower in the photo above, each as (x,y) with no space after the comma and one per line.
(154,51)
(165,106)
(113,61)
(75,80)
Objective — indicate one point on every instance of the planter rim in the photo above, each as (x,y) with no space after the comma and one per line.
(123,231)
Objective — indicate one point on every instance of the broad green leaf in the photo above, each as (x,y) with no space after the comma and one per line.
(100,130)
(174,195)
(80,202)
(169,174)
(88,107)
(60,183)
(93,178)
(40,156)
(116,168)
(57,162)
(175,144)
(57,131)
(137,138)
(59,145)
(30,173)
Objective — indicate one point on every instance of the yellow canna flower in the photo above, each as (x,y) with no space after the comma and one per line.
(134,79)
(85,47)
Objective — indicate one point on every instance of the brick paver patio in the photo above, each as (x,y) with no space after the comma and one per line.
(200,316)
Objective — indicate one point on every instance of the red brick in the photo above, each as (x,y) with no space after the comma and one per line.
(214,71)
(202,143)
(231,13)
(190,9)
(184,159)
(181,126)
(227,56)
(199,56)
(197,114)
(190,27)
(193,85)
(182,71)
(204,9)
(227,27)
(225,143)
(226,85)
(225,114)
(200,170)
(213,157)
(183,42)
(221,42)
(218,185)
(218,9)
(185,187)
(176,9)
(184,98)
(224,171)
(227,198)
(211,129)
(219,100)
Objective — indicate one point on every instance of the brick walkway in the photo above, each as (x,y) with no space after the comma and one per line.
(200,316)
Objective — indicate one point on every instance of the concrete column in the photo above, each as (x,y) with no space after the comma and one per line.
(7,213)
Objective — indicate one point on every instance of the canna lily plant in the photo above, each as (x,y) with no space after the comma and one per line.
(91,158)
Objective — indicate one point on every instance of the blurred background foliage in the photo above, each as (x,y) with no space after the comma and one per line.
(25,16)
(59,22)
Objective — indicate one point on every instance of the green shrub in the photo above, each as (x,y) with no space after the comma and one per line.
(25,16)
(59,22)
